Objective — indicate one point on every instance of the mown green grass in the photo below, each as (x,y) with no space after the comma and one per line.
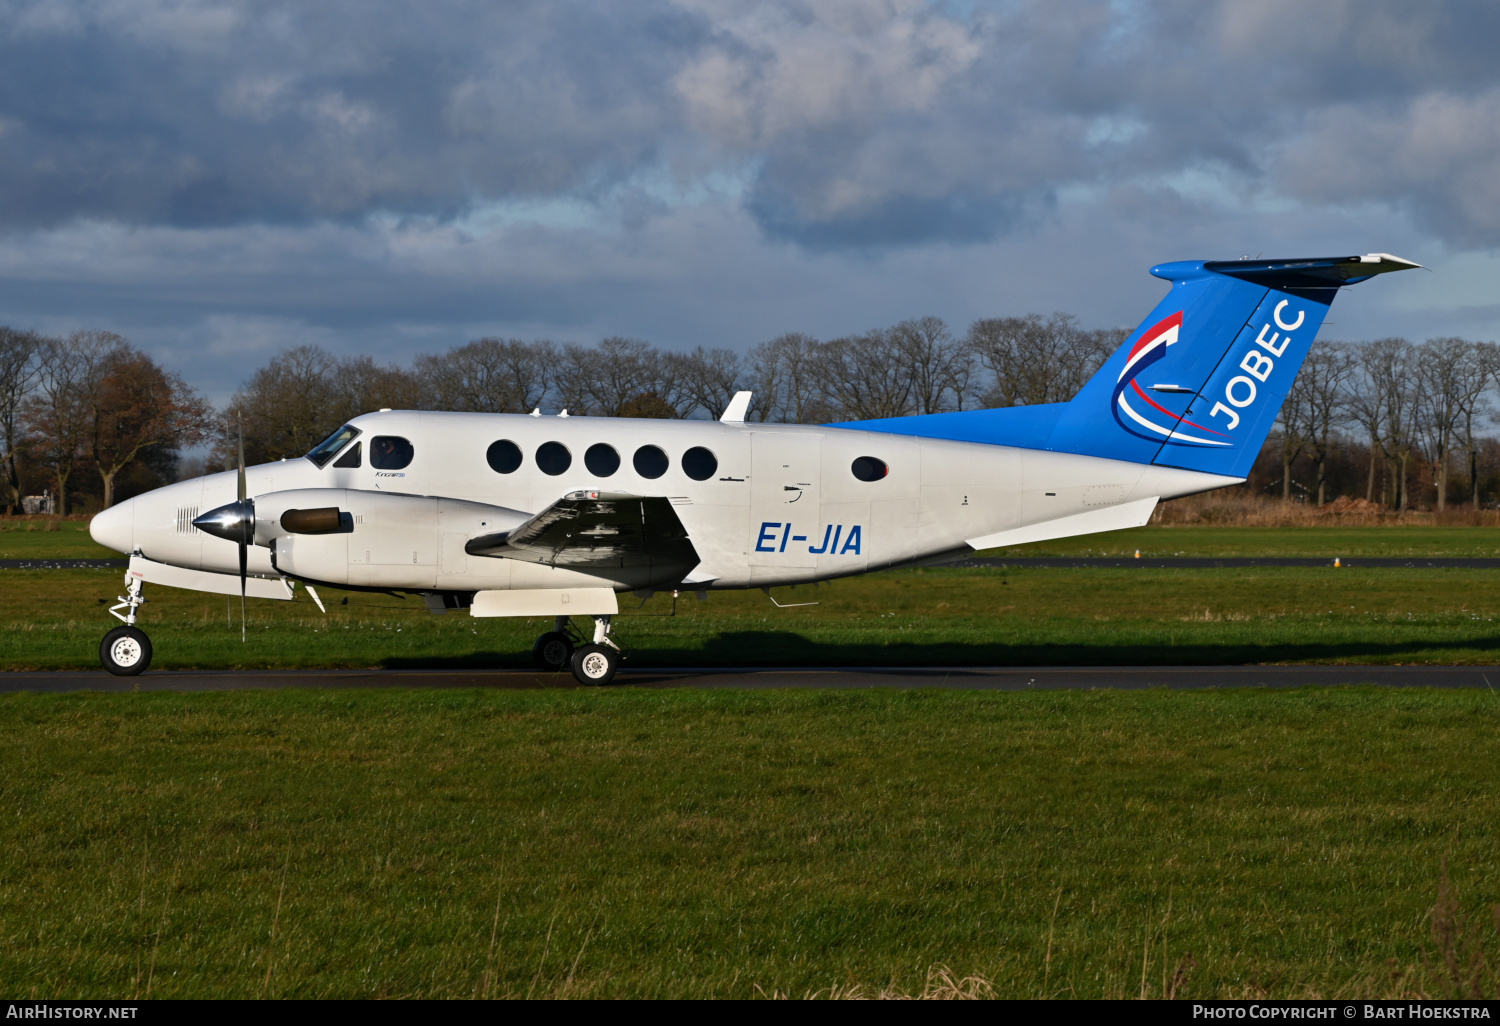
(49,539)
(676,843)
(54,620)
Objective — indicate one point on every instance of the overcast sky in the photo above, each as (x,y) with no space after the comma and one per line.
(221,180)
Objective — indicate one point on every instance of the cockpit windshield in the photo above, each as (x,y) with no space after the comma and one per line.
(329,447)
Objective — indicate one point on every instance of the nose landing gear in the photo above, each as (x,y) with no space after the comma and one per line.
(593,663)
(126,651)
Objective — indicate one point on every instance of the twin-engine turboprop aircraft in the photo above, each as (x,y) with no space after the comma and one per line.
(516,515)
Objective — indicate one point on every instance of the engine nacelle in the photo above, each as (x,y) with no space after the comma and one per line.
(380,539)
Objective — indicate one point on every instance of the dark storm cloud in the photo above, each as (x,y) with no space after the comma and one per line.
(866,122)
(207,114)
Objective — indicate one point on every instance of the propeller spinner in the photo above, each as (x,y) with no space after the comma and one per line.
(234,521)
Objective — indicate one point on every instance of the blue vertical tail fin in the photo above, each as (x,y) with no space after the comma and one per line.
(1198,385)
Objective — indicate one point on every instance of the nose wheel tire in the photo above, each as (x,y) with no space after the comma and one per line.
(125,651)
(552,651)
(595,665)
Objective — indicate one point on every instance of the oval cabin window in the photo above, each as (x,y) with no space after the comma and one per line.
(699,464)
(868,468)
(388,452)
(504,456)
(650,462)
(601,459)
(553,458)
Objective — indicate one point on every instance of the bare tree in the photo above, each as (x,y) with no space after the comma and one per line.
(621,377)
(360,385)
(1379,398)
(1450,376)
(938,365)
(1037,360)
(1487,358)
(137,407)
(1292,423)
(488,375)
(1319,392)
(287,406)
(864,376)
(19,370)
(1093,348)
(709,377)
(670,390)
(60,414)
(785,379)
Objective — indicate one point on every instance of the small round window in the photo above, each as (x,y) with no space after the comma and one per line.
(699,464)
(553,458)
(868,468)
(601,459)
(388,452)
(504,456)
(650,462)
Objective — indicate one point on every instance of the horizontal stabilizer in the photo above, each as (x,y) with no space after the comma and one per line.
(1109,518)
(1316,273)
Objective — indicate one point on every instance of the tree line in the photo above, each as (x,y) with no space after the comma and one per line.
(917,366)
(95,419)
(87,413)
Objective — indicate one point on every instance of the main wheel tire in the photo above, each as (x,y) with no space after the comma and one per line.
(125,651)
(595,665)
(552,651)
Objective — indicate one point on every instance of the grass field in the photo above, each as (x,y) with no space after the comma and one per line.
(49,539)
(53,619)
(625,842)
(679,843)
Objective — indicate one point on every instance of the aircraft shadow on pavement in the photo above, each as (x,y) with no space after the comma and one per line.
(785,648)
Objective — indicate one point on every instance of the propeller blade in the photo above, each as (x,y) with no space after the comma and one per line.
(244,560)
(246,526)
(241,495)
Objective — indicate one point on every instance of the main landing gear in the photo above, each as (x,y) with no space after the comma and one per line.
(126,651)
(592,662)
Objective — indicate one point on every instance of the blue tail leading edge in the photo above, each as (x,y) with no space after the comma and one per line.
(1198,385)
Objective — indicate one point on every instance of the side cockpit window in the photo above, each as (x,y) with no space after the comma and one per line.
(388,452)
(329,447)
(351,457)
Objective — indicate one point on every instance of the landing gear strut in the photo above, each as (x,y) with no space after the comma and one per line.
(126,651)
(592,662)
(595,663)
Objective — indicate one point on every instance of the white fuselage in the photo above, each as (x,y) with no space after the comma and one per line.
(782,506)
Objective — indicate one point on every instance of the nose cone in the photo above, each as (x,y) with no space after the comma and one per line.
(114,528)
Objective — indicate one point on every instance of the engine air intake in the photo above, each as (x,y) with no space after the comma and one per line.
(324,520)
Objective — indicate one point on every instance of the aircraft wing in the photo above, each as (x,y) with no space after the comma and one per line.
(594,530)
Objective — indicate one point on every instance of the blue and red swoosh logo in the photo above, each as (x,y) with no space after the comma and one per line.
(1136,411)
